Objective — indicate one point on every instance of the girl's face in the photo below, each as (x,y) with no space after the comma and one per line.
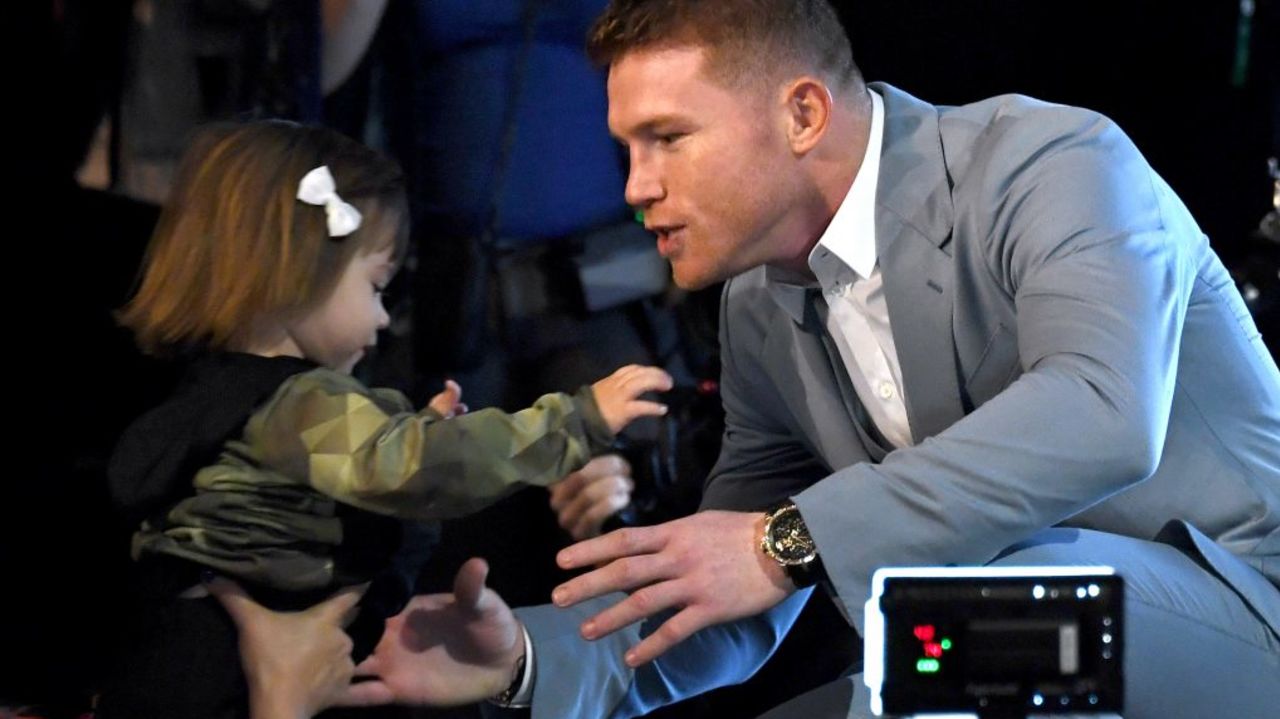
(337,332)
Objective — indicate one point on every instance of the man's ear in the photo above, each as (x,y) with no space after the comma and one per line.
(808,104)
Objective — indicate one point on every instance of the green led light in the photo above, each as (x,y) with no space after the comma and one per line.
(946,644)
(927,666)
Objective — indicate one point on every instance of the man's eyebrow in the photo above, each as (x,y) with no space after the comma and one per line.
(649,126)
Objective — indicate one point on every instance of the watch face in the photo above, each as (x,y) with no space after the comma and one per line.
(789,538)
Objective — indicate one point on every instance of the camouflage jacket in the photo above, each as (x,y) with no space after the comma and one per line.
(268,510)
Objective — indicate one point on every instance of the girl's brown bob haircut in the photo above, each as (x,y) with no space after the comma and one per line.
(233,244)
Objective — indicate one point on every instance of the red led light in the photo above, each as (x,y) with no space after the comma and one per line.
(932,649)
(924,632)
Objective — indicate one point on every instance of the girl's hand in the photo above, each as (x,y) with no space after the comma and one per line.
(449,402)
(617,395)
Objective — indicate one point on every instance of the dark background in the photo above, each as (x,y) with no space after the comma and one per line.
(1164,71)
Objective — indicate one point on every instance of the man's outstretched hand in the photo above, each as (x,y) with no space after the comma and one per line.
(708,567)
(443,649)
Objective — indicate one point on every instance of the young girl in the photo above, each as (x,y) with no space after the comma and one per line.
(270,463)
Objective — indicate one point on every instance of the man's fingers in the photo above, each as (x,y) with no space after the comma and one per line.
(641,604)
(673,631)
(620,543)
(468,584)
(617,576)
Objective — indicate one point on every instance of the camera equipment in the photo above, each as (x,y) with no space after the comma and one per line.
(995,641)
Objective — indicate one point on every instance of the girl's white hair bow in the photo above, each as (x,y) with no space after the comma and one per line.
(317,188)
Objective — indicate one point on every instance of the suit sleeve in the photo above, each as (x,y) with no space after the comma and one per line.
(761,460)
(578,678)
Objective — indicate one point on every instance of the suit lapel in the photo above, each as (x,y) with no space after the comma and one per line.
(833,422)
(913,228)
(918,290)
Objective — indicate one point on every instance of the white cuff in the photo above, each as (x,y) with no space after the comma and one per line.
(523,696)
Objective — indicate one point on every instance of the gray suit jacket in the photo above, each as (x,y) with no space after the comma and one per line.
(1072,353)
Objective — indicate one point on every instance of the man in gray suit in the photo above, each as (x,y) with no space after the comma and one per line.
(951,336)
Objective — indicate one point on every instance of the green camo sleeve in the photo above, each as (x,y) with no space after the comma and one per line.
(367,449)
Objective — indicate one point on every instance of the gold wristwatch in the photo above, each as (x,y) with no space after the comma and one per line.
(786,540)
